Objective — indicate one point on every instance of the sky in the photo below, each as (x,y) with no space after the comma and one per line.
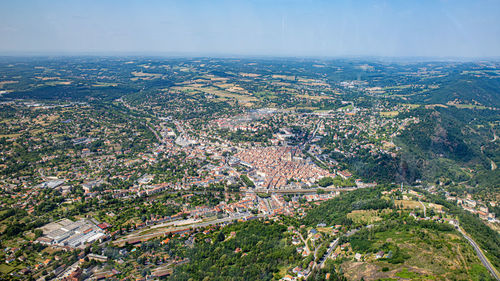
(329,28)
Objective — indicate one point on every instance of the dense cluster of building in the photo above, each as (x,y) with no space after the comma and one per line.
(475,206)
(72,234)
(275,167)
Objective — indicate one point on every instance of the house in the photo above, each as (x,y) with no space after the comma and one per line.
(344,174)
(288,278)
(389,255)
(104,225)
(24,271)
(96,257)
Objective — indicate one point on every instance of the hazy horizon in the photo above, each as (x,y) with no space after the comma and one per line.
(257,28)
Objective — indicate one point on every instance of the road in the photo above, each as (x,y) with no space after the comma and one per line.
(160,139)
(316,128)
(305,243)
(480,254)
(302,190)
(425,209)
(67,272)
(332,247)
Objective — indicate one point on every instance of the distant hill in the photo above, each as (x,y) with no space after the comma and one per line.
(464,89)
(450,144)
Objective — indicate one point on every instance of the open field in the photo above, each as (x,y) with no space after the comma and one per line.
(10,136)
(103,84)
(469,106)
(430,255)
(412,204)
(6,269)
(7,82)
(56,83)
(144,76)
(314,97)
(389,113)
(284,77)
(253,75)
(365,216)
(241,98)
(409,204)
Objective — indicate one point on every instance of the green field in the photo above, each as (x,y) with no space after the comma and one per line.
(6,269)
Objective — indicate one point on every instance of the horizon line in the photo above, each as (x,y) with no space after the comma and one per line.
(14,54)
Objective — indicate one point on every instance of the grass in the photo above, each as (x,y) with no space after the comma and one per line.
(389,113)
(364,216)
(314,97)
(396,87)
(56,83)
(409,204)
(411,105)
(393,235)
(328,230)
(283,77)
(348,107)
(224,94)
(282,271)
(10,136)
(104,84)
(431,255)
(469,106)
(407,274)
(478,270)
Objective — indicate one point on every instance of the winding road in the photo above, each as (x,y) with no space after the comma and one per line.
(480,254)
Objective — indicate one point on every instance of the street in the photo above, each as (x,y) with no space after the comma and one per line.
(480,254)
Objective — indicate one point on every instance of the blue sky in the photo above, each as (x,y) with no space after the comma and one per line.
(452,28)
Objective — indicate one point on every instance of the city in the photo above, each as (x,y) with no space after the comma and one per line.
(249,140)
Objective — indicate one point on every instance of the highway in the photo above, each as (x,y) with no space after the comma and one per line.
(158,231)
(480,254)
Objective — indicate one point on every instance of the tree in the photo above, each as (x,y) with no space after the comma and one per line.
(326,181)
(221,237)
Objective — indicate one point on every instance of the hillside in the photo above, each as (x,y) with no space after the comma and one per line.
(396,243)
(450,145)
(464,89)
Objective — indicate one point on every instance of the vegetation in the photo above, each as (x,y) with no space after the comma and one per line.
(247,181)
(148,145)
(262,251)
